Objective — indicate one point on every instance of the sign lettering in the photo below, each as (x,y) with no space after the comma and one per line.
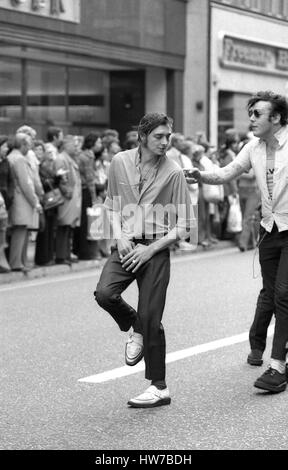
(65,10)
(245,54)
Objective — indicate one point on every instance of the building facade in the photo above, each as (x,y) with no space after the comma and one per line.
(90,64)
(244,49)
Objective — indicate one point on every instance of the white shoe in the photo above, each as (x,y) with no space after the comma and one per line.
(134,349)
(150,398)
(185,246)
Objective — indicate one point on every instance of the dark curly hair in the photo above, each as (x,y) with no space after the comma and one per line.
(278,102)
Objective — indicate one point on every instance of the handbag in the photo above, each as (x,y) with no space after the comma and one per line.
(52,199)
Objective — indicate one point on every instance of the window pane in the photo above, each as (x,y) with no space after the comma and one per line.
(88,97)
(10,91)
(46,93)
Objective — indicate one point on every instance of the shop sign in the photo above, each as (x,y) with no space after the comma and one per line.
(246,54)
(66,10)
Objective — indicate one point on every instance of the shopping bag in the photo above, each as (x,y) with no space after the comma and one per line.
(34,225)
(95,222)
(213,193)
(234,219)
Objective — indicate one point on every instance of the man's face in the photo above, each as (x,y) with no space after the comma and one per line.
(158,140)
(3,149)
(260,119)
(59,139)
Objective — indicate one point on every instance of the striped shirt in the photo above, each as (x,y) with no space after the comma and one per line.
(271,150)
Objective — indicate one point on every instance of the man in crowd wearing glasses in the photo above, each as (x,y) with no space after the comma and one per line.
(268,156)
(149,205)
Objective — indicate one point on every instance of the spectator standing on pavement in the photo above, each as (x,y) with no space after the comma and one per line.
(5,201)
(45,241)
(6,181)
(142,178)
(25,203)
(33,160)
(131,140)
(101,168)
(55,137)
(267,155)
(83,248)
(226,155)
(69,213)
(39,150)
(250,200)
(175,153)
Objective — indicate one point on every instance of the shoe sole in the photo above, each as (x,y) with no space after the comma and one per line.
(271,388)
(163,402)
(135,361)
(255,362)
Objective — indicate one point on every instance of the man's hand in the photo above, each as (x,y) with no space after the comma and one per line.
(192,175)
(137,257)
(124,246)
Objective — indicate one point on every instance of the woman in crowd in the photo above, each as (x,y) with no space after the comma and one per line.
(226,156)
(45,241)
(69,213)
(84,248)
(5,201)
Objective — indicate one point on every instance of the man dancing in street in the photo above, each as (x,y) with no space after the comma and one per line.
(149,207)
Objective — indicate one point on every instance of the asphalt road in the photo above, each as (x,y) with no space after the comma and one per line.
(53,335)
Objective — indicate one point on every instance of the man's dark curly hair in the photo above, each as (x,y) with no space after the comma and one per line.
(278,102)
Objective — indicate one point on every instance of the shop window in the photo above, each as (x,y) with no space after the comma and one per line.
(46,94)
(10,92)
(88,97)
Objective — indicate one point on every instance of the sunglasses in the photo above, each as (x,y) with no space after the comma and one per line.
(255,112)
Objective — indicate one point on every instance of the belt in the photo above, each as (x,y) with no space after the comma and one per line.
(143,241)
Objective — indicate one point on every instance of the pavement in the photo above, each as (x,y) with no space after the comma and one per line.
(36,272)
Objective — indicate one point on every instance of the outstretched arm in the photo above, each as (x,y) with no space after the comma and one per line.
(240,165)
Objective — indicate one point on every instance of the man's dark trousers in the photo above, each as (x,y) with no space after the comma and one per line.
(262,319)
(152,279)
(273,255)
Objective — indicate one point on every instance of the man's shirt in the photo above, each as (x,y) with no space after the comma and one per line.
(151,205)
(254,155)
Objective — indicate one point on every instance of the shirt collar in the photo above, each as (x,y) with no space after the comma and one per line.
(138,159)
(281,135)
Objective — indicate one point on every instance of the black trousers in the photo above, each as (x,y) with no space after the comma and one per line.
(63,242)
(45,241)
(262,319)
(152,280)
(273,255)
(83,248)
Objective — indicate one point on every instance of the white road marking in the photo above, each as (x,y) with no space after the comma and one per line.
(95,272)
(171,357)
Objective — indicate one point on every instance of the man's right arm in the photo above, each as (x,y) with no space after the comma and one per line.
(240,165)
(222,175)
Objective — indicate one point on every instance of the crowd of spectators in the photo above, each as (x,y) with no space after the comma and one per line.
(75,169)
